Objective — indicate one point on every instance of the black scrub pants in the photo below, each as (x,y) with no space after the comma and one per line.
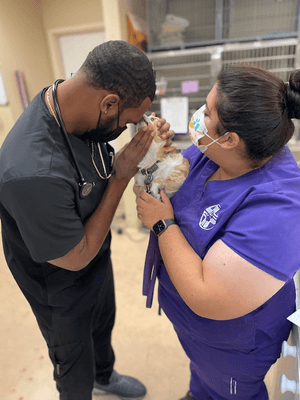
(79,339)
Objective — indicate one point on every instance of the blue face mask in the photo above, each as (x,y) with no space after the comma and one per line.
(197,130)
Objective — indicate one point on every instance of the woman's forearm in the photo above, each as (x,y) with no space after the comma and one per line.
(183,265)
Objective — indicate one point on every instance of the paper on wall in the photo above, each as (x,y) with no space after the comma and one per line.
(175,110)
(3,97)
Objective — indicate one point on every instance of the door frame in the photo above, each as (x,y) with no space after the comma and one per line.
(53,36)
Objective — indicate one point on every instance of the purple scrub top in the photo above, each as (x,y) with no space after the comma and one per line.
(255,215)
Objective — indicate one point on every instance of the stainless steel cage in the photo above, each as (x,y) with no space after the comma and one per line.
(203,64)
(183,24)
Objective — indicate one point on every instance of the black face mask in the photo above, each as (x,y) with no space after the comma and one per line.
(104,133)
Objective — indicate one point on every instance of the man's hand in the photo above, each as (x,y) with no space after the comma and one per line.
(132,153)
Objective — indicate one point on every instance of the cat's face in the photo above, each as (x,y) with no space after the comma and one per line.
(153,121)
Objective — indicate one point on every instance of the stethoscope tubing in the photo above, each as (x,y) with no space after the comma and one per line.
(85,187)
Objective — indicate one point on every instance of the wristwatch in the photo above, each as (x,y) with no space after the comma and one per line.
(162,225)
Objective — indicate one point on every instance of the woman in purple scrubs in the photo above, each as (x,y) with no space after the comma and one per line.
(226,262)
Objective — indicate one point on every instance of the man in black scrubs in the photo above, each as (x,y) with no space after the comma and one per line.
(59,191)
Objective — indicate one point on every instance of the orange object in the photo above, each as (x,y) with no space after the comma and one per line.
(137,31)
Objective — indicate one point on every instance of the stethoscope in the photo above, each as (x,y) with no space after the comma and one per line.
(85,187)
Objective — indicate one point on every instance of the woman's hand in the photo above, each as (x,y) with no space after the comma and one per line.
(164,131)
(151,210)
(137,189)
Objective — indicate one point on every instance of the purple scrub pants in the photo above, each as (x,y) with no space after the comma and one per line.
(229,359)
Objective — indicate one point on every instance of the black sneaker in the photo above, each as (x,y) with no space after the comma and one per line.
(121,385)
(187,397)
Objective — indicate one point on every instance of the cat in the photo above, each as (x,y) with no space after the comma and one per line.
(159,169)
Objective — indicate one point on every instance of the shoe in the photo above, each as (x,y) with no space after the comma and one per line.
(121,385)
(187,397)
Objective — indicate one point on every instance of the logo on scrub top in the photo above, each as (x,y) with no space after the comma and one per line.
(209,217)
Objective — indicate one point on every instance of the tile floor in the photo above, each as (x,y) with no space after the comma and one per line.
(145,344)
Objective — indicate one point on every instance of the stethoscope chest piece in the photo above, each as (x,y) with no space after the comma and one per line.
(85,189)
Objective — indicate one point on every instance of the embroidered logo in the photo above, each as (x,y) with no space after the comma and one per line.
(209,217)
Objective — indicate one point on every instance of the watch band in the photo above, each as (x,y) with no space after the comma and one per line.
(162,225)
(170,221)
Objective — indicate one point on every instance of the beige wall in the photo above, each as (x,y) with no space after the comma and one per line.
(137,7)
(68,13)
(90,15)
(23,47)
(24,39)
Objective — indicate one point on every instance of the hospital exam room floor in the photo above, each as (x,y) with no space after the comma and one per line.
(145,344)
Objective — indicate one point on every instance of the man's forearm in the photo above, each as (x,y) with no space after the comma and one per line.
(96,229)
(98,225)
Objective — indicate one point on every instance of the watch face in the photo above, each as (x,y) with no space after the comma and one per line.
(159,227)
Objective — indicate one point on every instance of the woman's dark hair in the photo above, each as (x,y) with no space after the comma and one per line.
(123,69)
(258,106)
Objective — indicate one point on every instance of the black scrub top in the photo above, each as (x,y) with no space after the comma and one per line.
(42,214)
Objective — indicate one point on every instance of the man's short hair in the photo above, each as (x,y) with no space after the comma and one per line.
(123,69)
